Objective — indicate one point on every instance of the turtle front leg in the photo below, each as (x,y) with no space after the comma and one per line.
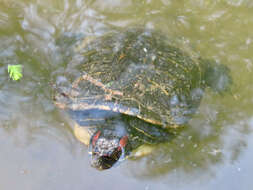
(82,134)
(142,151)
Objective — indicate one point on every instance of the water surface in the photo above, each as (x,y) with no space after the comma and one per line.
(38,149)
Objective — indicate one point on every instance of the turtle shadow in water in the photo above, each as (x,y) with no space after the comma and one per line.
(198,151)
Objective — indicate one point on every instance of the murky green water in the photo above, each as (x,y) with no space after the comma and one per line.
(38,149)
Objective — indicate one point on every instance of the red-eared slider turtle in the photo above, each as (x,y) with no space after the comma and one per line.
(133,87)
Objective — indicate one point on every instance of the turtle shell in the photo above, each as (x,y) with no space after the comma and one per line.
(138,73)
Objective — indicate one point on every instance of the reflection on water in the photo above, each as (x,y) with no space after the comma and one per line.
(38,148)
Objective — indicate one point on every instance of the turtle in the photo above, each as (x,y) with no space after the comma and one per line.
(133,89)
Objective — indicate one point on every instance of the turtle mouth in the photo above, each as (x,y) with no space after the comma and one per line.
(105,161)
(106,152)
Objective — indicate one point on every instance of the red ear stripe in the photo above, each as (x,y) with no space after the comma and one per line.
(95,138)
(123,141)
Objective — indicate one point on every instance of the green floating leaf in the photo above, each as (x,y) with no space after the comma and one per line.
(15,72)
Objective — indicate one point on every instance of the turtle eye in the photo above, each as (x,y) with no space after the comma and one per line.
(95,138)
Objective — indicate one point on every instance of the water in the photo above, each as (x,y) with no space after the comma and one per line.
(38,149)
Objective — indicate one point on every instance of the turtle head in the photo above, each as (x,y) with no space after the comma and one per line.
(106,150)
